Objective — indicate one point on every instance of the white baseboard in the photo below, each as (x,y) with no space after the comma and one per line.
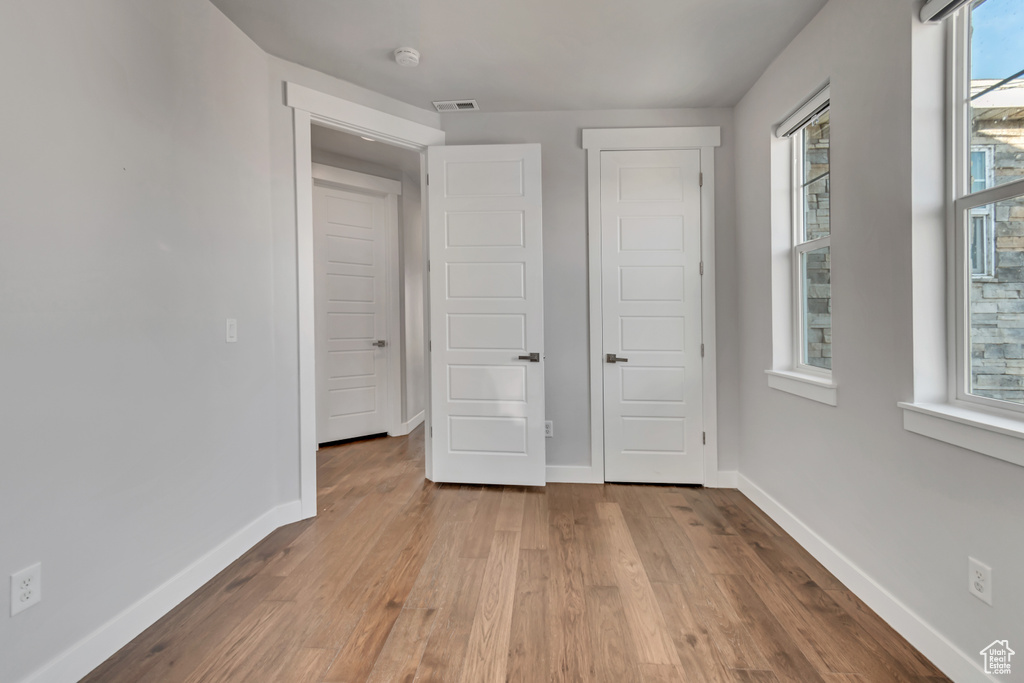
(956,664)
(407,427)
(728,479)
(85,655)
(572,474)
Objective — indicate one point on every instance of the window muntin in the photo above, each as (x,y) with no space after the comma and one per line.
(812,254)
(988,143)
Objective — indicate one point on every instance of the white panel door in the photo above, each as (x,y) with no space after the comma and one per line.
(486,314)
(350,251)
(650,252)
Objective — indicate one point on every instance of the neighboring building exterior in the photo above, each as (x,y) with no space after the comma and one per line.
(996,234)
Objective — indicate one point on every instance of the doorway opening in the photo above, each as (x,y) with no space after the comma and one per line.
(368,267)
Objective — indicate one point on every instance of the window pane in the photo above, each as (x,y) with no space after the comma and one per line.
(982,244)
(997,310)
(997,89)
(816,294)
(815,152)
(979,170)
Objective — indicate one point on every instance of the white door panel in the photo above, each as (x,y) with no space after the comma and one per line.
(350,252)
(650,223)
(486,310)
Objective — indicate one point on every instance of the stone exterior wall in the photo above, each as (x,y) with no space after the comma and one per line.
(817,223)
(997,302)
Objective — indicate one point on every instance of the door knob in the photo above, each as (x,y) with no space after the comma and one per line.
(533,358)
(380,343)
(612,358)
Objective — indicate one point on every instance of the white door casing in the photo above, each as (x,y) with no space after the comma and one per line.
(651,292)
(486,314)
(354,218)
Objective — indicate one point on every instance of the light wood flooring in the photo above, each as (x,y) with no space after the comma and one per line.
(402,580)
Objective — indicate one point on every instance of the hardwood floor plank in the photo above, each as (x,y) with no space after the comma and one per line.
(698,656)
(510,512)
(528,651)
(383,605)
(662,673)
(446,648)
(654,646)
(400,657)
(481,530)
(535,520)
(752,676)
(487,654)
(615,654)
(432,579)
(894,643)
(784,657)
(711,608)
(569,656)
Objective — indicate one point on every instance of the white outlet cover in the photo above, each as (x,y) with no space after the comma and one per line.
(979,580)
(26,588)
(231,331)
(549,429)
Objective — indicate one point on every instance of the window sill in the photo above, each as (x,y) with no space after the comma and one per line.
(992,435)
(814,388)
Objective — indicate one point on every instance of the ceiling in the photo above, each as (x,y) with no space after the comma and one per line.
(528,55)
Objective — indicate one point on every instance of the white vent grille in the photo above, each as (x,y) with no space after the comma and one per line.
(457,105)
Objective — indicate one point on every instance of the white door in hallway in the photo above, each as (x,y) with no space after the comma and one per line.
(352,336)
(486,315)
(651,294)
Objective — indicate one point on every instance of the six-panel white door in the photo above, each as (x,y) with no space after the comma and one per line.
(486,314)
(350,252)
(651,294)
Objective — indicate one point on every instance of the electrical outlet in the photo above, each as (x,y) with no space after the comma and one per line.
(26,588)
(549,429)
(231,333)
(979,580)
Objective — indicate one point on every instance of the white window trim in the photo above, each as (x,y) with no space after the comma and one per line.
(789,373)
(985,211)
(982,426)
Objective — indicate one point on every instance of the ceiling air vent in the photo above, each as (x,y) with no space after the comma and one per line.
(457,105)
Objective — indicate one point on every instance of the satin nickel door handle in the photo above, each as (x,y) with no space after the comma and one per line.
(612,358)
(533,358)
(380,343)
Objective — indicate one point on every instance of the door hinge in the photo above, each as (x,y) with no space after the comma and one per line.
(431,430)
(701,179)
(428,266)
(428,179)
(701,350)
(705,434)
(701,267)
(430,346)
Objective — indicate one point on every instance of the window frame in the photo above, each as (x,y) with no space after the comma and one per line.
(986,212)
(800,247)
(961,203)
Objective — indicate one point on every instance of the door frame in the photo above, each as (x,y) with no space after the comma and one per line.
(308,107)
(390,190)
(596,140)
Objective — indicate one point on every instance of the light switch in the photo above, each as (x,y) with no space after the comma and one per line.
(232,331)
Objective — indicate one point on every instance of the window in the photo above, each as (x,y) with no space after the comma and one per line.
(801,242)
(988,202)
(812,252)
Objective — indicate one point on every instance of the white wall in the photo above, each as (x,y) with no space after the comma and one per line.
(134,219)
(410,228)
(905,509)
(565,257)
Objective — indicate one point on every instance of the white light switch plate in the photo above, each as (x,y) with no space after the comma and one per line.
(232,331)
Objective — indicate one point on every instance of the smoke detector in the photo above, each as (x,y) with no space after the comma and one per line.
(407,56)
